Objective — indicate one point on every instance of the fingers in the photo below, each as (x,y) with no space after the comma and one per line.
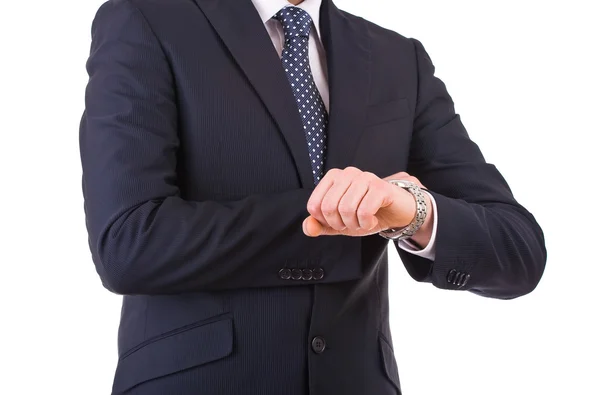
(369,206)
(336,200)
(328,209)
(349,203)
(331,202)
(325,199)
(312,227)
(316,198)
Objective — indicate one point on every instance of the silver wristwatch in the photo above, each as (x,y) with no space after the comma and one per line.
(420,215)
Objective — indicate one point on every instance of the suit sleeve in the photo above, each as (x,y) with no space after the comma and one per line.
(144,237)
(486,242)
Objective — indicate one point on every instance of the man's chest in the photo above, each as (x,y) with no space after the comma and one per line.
(241,131)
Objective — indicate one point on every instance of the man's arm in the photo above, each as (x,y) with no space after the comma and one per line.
(486,242)
(146,239)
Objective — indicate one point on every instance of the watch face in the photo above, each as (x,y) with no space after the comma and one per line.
(403,183)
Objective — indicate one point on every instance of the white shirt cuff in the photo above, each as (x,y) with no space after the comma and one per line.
(429,251)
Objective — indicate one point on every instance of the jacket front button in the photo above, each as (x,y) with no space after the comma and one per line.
(285,274)
(318,274)
(318,344)
(296,274)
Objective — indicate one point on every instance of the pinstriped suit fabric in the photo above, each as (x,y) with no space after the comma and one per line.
(196,175)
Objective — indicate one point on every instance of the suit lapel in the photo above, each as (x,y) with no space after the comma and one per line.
(346,43)
(238,24)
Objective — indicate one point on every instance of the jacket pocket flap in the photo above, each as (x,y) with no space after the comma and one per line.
(201,343)
(389,362)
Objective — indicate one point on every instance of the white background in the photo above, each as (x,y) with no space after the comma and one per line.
(525,79)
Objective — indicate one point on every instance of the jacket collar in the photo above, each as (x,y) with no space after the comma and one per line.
(346,43)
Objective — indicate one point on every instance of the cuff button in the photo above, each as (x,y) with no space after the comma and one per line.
(318,274)
(451,276)
(307,274)
(296,274)
(285,274)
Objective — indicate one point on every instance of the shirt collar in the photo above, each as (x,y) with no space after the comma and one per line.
(267,8)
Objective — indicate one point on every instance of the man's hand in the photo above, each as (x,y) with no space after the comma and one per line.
(355,203)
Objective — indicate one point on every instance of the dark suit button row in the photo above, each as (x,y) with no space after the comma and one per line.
(296,274)
(285,274)
(318,344)
(318,274)
(301,274)
(458,278)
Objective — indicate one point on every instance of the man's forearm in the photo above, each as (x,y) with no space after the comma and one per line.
(176,246)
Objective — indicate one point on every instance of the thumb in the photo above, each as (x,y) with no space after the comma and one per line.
(312,227)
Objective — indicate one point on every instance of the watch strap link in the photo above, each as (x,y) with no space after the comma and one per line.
(420,214)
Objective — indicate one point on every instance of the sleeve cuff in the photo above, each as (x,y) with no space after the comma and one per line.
(429,251)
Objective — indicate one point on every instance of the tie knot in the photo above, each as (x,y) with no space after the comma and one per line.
(295,21)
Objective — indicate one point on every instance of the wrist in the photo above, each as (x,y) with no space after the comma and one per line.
(423,236)
(407,208)
(410,210)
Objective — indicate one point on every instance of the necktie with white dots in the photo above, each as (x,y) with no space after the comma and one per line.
(296,27)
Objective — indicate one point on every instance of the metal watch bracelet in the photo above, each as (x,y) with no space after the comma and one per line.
(420,215)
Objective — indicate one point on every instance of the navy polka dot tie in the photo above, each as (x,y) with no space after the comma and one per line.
(296,27)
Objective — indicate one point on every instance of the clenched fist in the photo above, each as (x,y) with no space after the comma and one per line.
(352,202)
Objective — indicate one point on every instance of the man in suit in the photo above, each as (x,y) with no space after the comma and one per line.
(245,163)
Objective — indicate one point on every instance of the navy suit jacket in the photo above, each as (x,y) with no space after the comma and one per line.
(196,176)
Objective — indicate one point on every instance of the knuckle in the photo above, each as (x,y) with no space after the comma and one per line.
(338,226)
(377,186)
(328,209)
(362,212)
(332,173)
(346,210)
(313,207)
(369,176)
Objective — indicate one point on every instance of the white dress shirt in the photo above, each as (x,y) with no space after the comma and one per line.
(318,64)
